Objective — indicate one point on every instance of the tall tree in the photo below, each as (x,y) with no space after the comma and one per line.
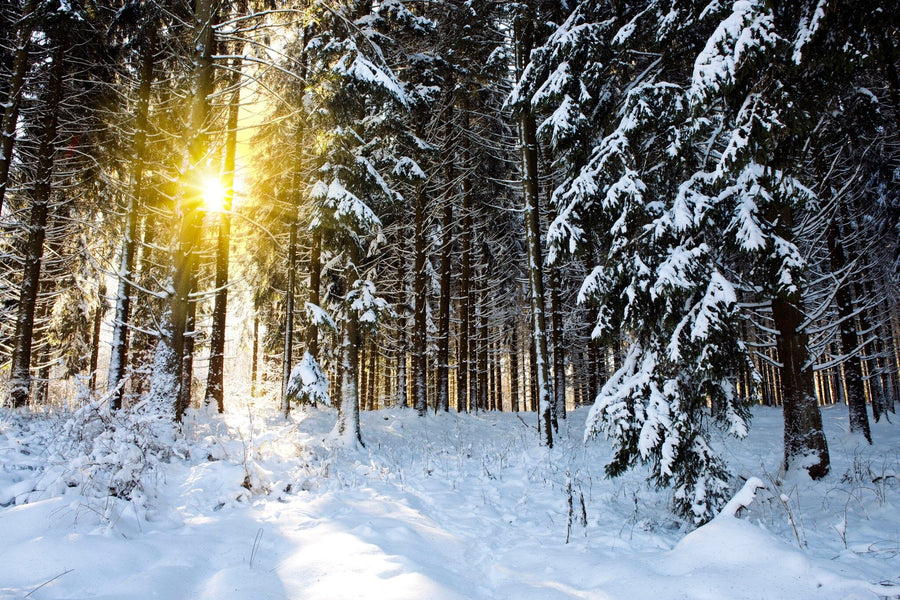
(172,351)
(27,18)
(147,34)
(40,197)
(524,43)
(215,387)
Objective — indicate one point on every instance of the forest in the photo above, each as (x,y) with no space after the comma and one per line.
(669,212)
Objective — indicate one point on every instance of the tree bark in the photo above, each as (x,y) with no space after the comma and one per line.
(856,398)
(287,360)
(14,97)
(95,336)
(371,400)
(255,355)
(315,277)
(463,366)
(215,381)
(420,325)
(402,309)
(348,416)
(804,438)
(20,374)
(185,390)
(524,33)
(559,352)
(169,368)
(119,349)
(442,393)
(514,367)
(481,354)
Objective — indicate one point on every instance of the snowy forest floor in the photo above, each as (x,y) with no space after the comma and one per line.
(448,506)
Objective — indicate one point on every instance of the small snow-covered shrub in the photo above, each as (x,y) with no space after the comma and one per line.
(307,383)
(117,454)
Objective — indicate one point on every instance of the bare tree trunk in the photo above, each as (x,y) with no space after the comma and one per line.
(402,398)
(169,367)
(420,326)
(287,361)
(804,438)
(370,390)
(95,336)
(20,374)
(348,415)
(185,391)
(120,339)
(481,353)
(315,277)
(498,377)
(215,381)
(856,398)
(255,355)
(514,366)
(559,356)
(442,393)
(363,383)
(463,366)
(14,97)
(529,165)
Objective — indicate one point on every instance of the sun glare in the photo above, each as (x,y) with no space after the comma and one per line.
(214,195)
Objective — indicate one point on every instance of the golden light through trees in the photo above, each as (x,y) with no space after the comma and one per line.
(213,195)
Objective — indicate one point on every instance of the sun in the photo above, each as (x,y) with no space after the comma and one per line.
(214,194)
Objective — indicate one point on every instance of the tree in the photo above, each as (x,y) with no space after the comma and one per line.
(524,25)
(40,196)
(353,88)
(147,33)
(215,391)
(175,348)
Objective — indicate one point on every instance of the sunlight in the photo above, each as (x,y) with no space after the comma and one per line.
(214,194)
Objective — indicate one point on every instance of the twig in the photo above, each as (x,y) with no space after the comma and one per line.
(66,572)
(526,424)
(256,541)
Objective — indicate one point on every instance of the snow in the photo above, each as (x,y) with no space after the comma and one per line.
(307,382)
(249,506)
(748,31)
(808,27)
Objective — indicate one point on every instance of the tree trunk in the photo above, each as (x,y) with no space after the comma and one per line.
(95,335)
(498,377)
(363,383)
(559,356)
(315,277)
(463,358)
(119,349)
(287,360)
(402,309)
(514,367)
(482,343)
(529,168)
(215,381)
(14,97)
(185,391)
(371,401)
(442,393)
(171,358)
(20,374)
(420,325)
(255,355)
(348,415)
(856,398)
(804,438)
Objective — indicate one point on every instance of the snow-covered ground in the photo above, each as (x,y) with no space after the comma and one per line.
(448,506)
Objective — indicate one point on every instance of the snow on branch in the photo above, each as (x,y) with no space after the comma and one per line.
(746,33)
